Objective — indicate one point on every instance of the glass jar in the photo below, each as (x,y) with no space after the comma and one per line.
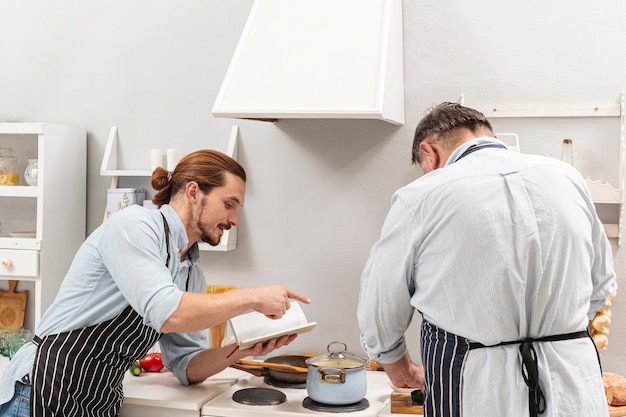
(567,153)
(31,173)
(8,167)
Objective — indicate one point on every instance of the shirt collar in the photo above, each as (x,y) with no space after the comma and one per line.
(454,156)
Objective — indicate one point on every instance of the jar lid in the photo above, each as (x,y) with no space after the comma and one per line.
(337,358)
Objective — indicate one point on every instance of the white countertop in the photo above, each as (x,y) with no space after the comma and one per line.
(162,389)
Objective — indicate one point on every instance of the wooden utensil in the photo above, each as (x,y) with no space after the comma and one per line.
(281,366)
(12,307)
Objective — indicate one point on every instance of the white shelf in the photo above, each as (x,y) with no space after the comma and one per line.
(555,110)
(42,261)
(18,191)
(601,191)
(22,128)
(109,168)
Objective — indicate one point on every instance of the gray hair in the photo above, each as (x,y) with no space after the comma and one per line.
(443,119)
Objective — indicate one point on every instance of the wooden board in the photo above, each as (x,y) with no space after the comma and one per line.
(12,307)
(401,404)
(617,411)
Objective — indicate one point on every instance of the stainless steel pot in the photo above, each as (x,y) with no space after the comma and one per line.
(338,378)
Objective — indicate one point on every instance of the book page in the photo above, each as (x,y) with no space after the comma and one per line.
(253,327)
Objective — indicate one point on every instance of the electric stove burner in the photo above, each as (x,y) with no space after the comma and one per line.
(259,396)
(281,384)
(334,408)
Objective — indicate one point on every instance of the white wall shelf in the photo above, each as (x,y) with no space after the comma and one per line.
(109,168)
(602,192)
(54,210)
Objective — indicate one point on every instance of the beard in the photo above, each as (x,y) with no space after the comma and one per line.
(212,239)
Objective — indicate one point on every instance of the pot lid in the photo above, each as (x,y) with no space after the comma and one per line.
(338,357)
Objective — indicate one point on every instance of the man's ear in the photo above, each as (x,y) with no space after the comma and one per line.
(192,191)
(430,156)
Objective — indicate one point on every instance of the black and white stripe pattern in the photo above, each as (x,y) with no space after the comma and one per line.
(443,357)
(80,373)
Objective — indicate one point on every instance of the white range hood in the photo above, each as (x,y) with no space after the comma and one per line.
(336,59)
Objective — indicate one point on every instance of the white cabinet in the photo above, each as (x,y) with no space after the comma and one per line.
(44,225)
(109,168)
(602,192)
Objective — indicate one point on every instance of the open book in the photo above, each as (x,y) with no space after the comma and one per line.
(253,327)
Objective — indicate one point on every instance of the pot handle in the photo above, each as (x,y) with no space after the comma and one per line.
(254,371)
(345,348)
(332,375)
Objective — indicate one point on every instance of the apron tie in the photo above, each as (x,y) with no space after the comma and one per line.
(530,373)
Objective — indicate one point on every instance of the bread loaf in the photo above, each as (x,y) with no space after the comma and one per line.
(599,325)
(614,388)
(615,396)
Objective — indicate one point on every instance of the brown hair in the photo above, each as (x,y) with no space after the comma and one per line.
(206,167)
(444,119)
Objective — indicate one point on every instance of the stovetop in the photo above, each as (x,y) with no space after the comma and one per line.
(378,394)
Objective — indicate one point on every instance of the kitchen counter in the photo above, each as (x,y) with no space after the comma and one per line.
(161,394)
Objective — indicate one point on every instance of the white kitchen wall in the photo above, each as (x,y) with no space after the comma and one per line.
(318,190)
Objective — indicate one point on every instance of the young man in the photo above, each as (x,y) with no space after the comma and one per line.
(136,281)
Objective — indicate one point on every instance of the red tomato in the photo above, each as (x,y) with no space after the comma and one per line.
(152,362)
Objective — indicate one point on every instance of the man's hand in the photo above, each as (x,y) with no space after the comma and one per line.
(274,300)
(405,374)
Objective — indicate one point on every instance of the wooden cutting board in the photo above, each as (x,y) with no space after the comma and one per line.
(12,307)
(617,411)
(401,404)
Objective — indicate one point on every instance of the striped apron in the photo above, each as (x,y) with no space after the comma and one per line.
(444,355)
(80,372)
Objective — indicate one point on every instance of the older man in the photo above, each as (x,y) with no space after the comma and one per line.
(506,260)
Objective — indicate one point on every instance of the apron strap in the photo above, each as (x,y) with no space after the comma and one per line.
(167,239)
(530,371)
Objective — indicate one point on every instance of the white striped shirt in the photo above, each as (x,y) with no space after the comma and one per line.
(493,247)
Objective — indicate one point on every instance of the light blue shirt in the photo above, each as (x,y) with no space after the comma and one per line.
(495,246)
(123,262)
